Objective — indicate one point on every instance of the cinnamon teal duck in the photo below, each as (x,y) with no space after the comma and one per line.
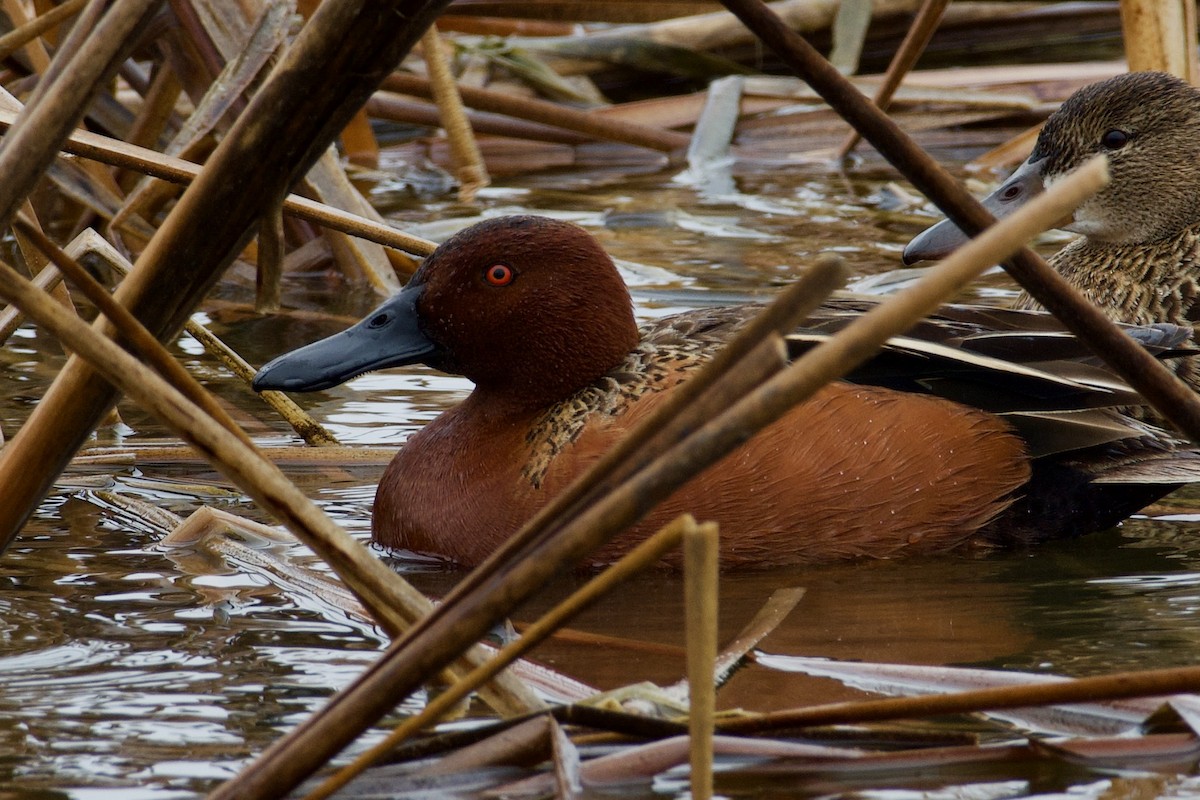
(1139,255)
(987,426)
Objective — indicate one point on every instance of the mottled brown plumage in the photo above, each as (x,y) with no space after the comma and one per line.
(1139,256)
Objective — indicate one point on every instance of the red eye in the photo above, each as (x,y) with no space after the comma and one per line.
(499,275)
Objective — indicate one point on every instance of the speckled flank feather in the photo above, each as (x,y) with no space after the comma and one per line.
(669,350)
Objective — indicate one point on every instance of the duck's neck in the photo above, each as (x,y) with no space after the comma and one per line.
(1136,283)
(553,369)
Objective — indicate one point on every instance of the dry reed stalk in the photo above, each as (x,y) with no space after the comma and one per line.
(287,455)
(318,84)
(158,109)
(390,600)
(36,260)
(328,183)
(313,432)
(11,318)
(505,26)
(547,113)
(359,143)
(1147,683)
(646,554)
(915,41)
(269,275)
(398,108)
(1161,35)
(493,590)
(58,105)
(1161,388)
(720,29)
(700,601)
(116,153)
(131,330)
(464,150)
(23,34)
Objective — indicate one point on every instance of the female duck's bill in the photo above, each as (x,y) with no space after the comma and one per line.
(389,337)
(940,240)
(1148,126)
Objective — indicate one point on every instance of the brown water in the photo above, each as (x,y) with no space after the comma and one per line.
(126,674)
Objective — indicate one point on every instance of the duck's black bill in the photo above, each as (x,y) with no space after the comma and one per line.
(389,337)
(945,237)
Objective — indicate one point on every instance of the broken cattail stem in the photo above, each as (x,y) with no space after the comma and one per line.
(915,41)
(700,604)
(1169,395)
(644,555)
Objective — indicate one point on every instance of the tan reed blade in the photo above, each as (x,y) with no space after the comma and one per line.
(700,604)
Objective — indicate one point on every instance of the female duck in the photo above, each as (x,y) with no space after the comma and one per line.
(533,312)
(1139,254)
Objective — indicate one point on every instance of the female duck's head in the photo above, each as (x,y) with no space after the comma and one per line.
(1148,126)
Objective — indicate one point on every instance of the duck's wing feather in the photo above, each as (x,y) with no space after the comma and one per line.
(1021,365)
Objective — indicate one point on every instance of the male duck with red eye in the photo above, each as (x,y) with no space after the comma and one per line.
(1139,256)
(533,311)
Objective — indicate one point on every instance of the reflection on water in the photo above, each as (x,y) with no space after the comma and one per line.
(124,674)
